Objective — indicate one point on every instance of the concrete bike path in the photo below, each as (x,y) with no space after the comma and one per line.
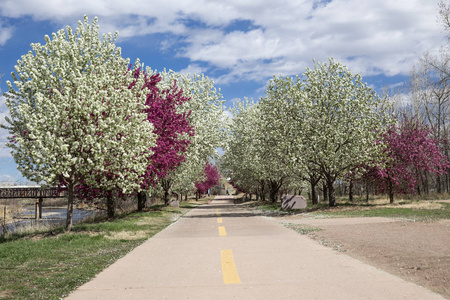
(219,251)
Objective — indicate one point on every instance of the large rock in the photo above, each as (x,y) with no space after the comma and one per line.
(292,202)
(174,203)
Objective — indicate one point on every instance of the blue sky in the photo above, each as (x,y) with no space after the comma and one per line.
(238,43)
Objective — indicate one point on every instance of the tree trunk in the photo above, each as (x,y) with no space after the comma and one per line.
(110,204)
(367,191)
(331,193)
(142,200)
(350,192)
(447,178)
(70,200)
(426,189)
(166,185)
(313,193)
(166,197)
(262,185)
(185,197)
(325,192)
(438,182)
(274,186)
(272,196)
(391,191)
(313,179)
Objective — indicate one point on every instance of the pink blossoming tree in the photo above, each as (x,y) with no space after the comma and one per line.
(212,178)
(171,127)
(411,153)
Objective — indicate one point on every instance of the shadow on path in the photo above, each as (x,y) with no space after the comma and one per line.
(222,215)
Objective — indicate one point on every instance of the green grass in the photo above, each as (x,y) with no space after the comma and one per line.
(394,212)
(301,228)
(270,207)
(50,264)
(362,209)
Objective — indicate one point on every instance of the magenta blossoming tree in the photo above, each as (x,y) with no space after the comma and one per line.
(412,153)
(212,178)
(171,127)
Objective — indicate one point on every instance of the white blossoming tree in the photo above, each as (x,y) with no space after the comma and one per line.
(286,110)
(73,116)
(242,158)
(345,119)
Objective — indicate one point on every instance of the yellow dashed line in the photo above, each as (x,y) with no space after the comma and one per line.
(222,231)
(229,271)
(219,220)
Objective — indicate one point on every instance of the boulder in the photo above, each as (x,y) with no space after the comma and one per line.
(292,202)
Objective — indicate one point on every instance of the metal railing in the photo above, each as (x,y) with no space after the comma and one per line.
(36,192)
(11,192)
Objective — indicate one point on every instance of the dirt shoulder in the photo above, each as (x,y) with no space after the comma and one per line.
(415,251)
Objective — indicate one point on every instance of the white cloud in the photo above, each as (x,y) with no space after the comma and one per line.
(372,37)
(7,180)
(6,32)
(193,69)
(4,152)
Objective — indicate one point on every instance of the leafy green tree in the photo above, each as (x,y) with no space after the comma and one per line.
(74,117)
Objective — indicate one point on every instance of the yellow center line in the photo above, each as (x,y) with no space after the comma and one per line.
(219,220)
(229,271)
(222,231)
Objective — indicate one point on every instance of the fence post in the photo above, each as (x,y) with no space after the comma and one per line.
(40,207)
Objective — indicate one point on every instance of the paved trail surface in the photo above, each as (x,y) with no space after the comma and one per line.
(220,251)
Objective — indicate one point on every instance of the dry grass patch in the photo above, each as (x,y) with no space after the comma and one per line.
(420,205)
(6,294)
(146,221)
(8,210)
(89,233)
(127,235)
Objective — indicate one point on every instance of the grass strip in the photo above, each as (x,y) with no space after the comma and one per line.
(409,210)
(301,228)
(414,214)
(50,264)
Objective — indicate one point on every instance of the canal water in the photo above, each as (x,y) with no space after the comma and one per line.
(50,216)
